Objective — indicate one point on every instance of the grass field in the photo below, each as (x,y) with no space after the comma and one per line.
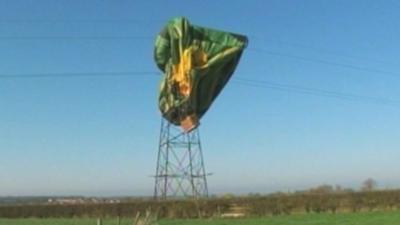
(370,218)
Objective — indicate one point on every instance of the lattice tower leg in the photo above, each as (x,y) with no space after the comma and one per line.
(180,168)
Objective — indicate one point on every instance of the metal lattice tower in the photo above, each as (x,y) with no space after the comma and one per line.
(180,167)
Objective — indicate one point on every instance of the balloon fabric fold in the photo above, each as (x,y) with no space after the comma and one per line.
(197,63)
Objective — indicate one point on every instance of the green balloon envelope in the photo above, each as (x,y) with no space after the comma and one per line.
(196,62)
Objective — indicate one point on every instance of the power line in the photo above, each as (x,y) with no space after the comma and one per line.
(323,50)
(273,53)
(315,91)
(78,21)
(75,37)
(320,61)
(238,80)
(280,42)
(349,66)
(72,75)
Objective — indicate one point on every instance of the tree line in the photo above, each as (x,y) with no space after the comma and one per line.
(323,199)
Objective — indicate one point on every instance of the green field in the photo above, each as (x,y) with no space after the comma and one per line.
(365,218)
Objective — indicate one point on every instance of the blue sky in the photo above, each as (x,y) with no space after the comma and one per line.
(98,135)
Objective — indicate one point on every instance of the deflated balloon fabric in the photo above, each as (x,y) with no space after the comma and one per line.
(196,62)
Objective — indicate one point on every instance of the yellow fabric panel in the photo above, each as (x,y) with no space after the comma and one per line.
(190,58)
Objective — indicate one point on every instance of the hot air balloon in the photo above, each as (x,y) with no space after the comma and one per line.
(196,62)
